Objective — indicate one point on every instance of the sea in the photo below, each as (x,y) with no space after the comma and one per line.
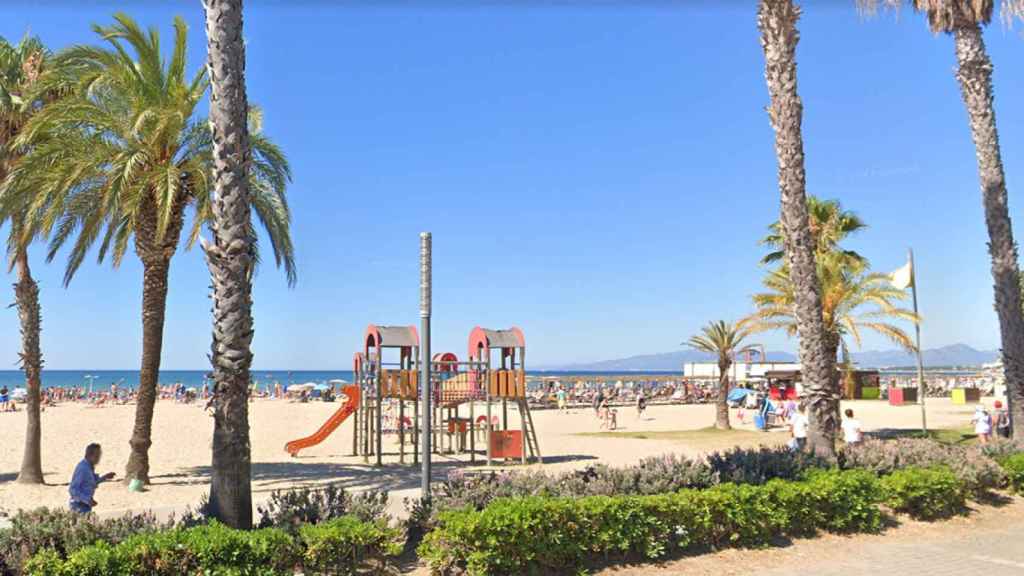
(102,379)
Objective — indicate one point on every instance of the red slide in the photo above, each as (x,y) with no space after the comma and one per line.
(352,392)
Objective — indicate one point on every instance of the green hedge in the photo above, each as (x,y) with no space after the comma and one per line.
(925,493)
(336,547)
(343,545)
(1014,467)
(523,535)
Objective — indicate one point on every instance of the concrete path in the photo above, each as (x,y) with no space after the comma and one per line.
(988,542)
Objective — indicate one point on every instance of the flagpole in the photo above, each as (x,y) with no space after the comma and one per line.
(917,333)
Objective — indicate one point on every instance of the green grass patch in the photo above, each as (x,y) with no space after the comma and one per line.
(957,435)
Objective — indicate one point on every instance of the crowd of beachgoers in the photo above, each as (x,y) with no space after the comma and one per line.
(545,391)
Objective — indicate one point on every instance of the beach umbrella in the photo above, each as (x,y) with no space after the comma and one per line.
(738,394)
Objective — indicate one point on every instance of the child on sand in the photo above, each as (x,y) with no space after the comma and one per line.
(982,424)
(798,428)
(852,430)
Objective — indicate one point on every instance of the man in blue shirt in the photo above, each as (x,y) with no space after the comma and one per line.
(84,480)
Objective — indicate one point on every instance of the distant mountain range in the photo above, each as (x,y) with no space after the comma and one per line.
(952,355)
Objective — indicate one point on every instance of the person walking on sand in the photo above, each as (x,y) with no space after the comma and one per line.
(84,480)
(561,396)
(982,424)
(853,432)
(641,404)
(1001,420)
(798,428)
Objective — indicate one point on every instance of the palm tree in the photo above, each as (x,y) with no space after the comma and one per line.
(963,19)
(724,340)
(119,161)
(231,260)
(20,66)
(853,300)
(829,223)
(779,36)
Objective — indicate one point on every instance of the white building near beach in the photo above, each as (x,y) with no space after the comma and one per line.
(738,372)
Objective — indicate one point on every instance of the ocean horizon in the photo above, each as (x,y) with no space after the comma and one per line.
(102,379)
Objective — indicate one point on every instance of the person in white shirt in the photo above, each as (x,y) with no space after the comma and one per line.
(853,433)
(982,423)
(798,428)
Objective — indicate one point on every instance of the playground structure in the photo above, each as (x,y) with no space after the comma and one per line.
(385,397)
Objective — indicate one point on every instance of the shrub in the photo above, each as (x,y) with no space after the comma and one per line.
(654,475)
(537,533)
(63,532)
(1014,467)
(846,501)
(925,493)
(978,472)
(290,509)
(210,549)
(1001,448)
(759,465)
(346,544)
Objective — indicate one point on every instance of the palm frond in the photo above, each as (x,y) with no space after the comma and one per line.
(123,147)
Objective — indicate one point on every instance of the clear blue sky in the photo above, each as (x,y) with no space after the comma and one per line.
(596,174)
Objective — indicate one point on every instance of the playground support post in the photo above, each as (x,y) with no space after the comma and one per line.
(426,427)
(380,410)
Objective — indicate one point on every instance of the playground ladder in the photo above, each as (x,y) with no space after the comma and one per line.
(529,431)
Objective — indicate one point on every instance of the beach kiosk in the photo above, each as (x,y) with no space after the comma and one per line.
(963,396)
(503,356)
(782,384)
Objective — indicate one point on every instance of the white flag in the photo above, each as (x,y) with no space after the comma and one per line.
(902,277)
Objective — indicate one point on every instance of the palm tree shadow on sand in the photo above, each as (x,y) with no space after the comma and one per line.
(270,476)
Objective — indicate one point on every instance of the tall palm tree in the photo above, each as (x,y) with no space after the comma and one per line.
(231,260)
(725,341)
(20,66)
(963,20)
(119,161)
(777,20)
(830,224)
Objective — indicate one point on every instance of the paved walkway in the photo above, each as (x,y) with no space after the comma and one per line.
(984,552)
(989,542)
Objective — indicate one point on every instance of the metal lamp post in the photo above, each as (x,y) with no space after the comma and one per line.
(425,298)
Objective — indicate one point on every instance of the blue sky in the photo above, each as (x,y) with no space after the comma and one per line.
(596,173)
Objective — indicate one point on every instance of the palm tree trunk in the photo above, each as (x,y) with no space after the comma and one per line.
(26,293)
(974,72)
(230,258)
(722,415)
(779,36)
(155,270)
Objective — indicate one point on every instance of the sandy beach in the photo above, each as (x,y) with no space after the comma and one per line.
(180,455)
